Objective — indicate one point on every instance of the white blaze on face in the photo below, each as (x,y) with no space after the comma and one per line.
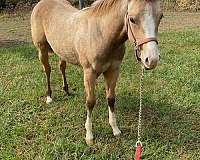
(151,48)
(148,23)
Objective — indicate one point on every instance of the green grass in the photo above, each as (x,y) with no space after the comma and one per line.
(31,129)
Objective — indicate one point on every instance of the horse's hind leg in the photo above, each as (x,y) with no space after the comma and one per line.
(111,76)
(62,69)
(44,58)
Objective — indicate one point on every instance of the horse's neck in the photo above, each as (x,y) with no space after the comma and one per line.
(113,25)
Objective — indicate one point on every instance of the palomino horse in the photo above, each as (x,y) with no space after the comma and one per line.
(94,38)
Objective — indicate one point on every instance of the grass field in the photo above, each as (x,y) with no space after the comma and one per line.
(31,129)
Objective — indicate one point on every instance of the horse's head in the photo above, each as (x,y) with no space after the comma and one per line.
(142,23)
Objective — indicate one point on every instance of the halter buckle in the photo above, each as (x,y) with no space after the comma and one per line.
(136,46)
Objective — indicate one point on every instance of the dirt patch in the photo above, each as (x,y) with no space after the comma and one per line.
(11,42)
(180,20)
(15,28)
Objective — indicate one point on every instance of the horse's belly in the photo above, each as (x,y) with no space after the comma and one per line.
(63,47)
(70,57)
(65,52)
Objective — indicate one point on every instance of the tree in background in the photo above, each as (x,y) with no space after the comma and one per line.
(81,4)
(197,5)
(183,4)
(188,4)
(2,4)
(11,4)
(167,4)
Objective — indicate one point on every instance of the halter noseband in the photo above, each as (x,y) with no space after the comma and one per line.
(137,43)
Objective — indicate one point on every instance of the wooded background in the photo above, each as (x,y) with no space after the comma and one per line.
(192,5)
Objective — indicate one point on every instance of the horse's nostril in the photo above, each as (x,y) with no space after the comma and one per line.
(147,60)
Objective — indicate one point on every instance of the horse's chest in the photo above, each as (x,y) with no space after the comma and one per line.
(100,67)
(103,62)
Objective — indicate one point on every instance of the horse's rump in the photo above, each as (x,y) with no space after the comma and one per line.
(51,21)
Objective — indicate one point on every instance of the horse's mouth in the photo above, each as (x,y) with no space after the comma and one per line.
(147,69)
(144,67)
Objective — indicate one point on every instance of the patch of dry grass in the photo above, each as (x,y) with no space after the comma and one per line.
(15,28)
(180,20)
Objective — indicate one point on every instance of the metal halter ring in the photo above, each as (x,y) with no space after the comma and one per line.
(138,142)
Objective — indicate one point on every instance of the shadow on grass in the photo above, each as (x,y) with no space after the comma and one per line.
(11,42)
(18,48)
(161,121)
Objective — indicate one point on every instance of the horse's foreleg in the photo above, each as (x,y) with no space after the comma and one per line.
(89,83)
(62,69)
(111,76)
(43,56)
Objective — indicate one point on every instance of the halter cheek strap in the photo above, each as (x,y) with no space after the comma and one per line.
(132,38)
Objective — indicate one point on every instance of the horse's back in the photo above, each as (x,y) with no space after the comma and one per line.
(45,12)
(45,7)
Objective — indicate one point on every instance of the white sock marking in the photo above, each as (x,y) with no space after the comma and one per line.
(113,123)
(49,100)
(88,127)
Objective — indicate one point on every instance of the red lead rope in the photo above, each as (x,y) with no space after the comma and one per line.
(139,143)
(138,151)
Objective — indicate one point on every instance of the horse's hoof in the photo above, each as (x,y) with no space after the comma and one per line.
(68,93)
(49,100)
(117,133)
(89,141)
(66,90)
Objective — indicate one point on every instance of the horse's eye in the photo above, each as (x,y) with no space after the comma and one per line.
(132,20)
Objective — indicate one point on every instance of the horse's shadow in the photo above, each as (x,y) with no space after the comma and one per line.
(161,121)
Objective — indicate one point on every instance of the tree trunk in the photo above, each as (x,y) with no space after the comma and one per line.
(2,4)
(81,4)
(196,5)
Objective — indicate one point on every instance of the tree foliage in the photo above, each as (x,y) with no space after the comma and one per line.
(172,4)
(181,4)
(188,4)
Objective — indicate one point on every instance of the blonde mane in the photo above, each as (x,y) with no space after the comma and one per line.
(100,7)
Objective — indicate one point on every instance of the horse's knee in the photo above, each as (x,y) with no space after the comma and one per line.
(90,104)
